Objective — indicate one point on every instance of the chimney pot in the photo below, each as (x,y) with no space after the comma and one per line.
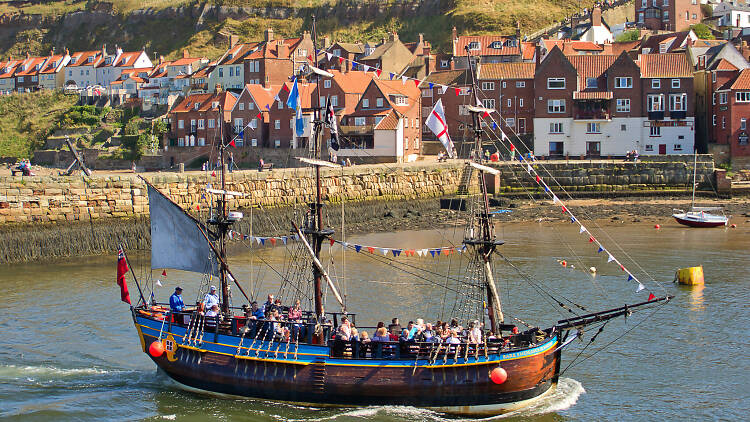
(269,34)
(454,33)
(185,54)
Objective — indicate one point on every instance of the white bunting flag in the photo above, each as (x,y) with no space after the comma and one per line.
(640,287)
(276,98)
(158,283)
(329,55)
(583,229)
(610,258)
(443,88)
(403,80)
(366,68)
(555,199)
(384,250)
(257,240)
(419,252)
(528,168)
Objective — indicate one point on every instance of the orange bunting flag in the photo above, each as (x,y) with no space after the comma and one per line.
(272,240)
(370,249)
(412,252)
(447,251)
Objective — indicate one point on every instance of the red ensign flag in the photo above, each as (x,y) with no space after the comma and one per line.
(122,269)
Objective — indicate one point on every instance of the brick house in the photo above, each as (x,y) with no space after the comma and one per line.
(732,116)
(668,15)
(27,74)
(509,88)
(344,91)
(491,49)
(442,85)
(342,50)
(253,100)
(385,124)
(275,61)
(281,122)
(229,69)
(199,119)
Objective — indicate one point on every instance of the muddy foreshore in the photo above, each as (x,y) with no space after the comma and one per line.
(49,242)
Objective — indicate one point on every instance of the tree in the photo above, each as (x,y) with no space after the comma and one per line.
(703,31)
(632,35)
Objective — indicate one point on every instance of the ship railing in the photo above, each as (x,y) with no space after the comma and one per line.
(433,351)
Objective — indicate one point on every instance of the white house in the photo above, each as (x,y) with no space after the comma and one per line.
(732,13)
(110,69)
(229,71)
(81,69)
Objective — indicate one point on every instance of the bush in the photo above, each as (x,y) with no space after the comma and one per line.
(632,35)
(134,146)
(703,31)
(132,127)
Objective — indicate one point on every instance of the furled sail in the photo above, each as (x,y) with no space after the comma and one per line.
(176,239)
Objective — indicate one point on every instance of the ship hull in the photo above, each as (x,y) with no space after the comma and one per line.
(273,371)
(698,221)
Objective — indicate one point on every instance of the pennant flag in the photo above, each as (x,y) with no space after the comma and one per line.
(431,84)
(198,207)
(494,125)
(630,277)
(622,267)
(439,126)
(370,249)
(366,68)
(538,179)
(285,88)
(354,65)
(272,240)
(591,239)
(572,219)
(640,287)
(564,210)
(122,269)
(403,80)
(419,252)
(600,249)
(651,297)
(213,174)
(384,251)
(396,252)
(443,89)
(285,239)
(417,82)
(263,241)
(258,240)
(332,241)
(512,147)
(610,258)
(231,143)
(412,252)
(432,252)
(437,251)
(310,57)
(458,91)
(583,229)
(164,273)
(378,72)
(447,251)
(555,199)
(546,188)
(393,75)
(328,56)
(341,60)
(295,102)
(268,107)
(528,168)
(158,283)
(357,248)
(486,114)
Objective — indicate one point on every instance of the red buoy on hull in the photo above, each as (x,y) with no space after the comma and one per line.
(156,349)
(498,375)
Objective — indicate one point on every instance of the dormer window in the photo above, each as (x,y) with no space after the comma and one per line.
(38,66)
(90,59)
(474,45)
(196,106)
(496,44)
(215,104)
(108,60)
(73,60)
(591,83)
(229,56)
(400,100)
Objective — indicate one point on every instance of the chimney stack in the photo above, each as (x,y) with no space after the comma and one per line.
(518,30)
(233,40)
(454,33)
(393,36)
(596,16)
(185,54)
(269,34)
(282,50)
(104,50)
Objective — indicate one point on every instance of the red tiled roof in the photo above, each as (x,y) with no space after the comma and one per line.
(592,95)
(160,70)
(591,66)
(351,82)
(569,47)
(30,64)
(238,53)
(724,64)
(11,65)
(52,65)
(305,92)
(188,104)
(183,61)
(389,122)
(668,65)
(742,81)
(507,70)
(261,96)
(528,49)
(506,46)
(82,58)
(127,59)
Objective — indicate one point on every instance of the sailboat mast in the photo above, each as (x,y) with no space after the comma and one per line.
(486,241)
(223,219)
(318,207)
(695,176)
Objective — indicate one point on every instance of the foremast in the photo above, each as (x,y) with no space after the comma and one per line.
(221,221)
(480,236)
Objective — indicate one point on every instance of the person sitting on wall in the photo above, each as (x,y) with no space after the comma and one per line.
(261,164)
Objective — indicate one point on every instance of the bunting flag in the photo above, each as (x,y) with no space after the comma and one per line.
(392,75)
(366,68)
(164,273)
(640,287)
(417,82)
(341,60)
(371,249)
(378,72)
(583,229)
(357,248)
(600,250)
(458,91)
(591,239)
(651,297)
(403,80)
(610,258)
(431,84)
(328,56)
(158,282)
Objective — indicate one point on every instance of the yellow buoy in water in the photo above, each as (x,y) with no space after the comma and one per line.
(690,276)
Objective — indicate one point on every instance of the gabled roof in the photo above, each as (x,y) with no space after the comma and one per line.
(489,45)
(28,66)
(184,61)
(572,47)
(448,77)
(356,48)
(236,54)
(673,40)
(739,82)
(53,64)
(398,88)
(127,59)
(351,82)
(204,72)
(188,103)
(528,49)
(262,97)
(305,92)
(716,53)
(724,64)
(11,66)
(82,58)
(708,43)
(592,66)
(160,70)
(382,49)
(389,122)
(668,65)
(225,99)
(507,71)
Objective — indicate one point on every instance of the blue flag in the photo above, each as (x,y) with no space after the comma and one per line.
(294,102)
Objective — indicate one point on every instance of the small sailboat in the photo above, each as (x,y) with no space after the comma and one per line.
(501,364)
(699,216)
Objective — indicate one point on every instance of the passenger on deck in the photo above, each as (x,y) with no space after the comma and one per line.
(475,332)
(428,334)
(175,301)
(211,315)
(453,339)
(355,334)
(269,306)
(394,328)
(344,332)
(381,335)
(295,312)
(211,298)
(364,338)
(255,311)
(405,336)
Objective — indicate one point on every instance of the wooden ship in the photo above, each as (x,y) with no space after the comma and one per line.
(302,361)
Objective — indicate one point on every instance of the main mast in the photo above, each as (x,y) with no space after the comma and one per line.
(484,241)
(222,222)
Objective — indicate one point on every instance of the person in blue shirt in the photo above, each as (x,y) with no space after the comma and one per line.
(175,301)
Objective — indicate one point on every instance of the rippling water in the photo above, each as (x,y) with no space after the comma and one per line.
(68,350)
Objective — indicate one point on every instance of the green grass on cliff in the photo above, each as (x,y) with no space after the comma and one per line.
(27,119)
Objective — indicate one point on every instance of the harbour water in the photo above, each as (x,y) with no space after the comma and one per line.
(68,349)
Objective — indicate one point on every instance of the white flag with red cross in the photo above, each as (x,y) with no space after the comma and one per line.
(437,124)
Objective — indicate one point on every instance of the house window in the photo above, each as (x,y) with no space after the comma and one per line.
(337,52)
(250,106)
(201,142)
(555,83)
(181,124)
(426,92)
(365,103)
(277,124)
(280,105)
(406,143)
(723,122)
(504,85)
(675,83)
(231,72)
(623,128)
(521,84)
(327,83)
(242,106)
(474,45)
(743,96)
(678,102)
(556,106)
(488,86)
(723,97)
(379,101)
(624,82)
(555,128)
(593,128)
(713,76)
(743,123)
(196,106)
(334,100)
(360,121)
(656,102)
(254,142)
(511,122)
(650,147)
(655,83)
(713,99)
(678,147)
(20,79)
(623,105)
(211,123)
(520,102)
(221,72)
(277,143)
(713,120)
(402,101)
(201,124)
(238,125)
(655,131)
(237,70)
(591,83)
(488,103)
(666,3)
(291,123)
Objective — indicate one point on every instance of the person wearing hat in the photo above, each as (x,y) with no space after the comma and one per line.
(211,298)
(175,301)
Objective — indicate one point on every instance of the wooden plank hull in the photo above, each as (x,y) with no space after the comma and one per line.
(457,386)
